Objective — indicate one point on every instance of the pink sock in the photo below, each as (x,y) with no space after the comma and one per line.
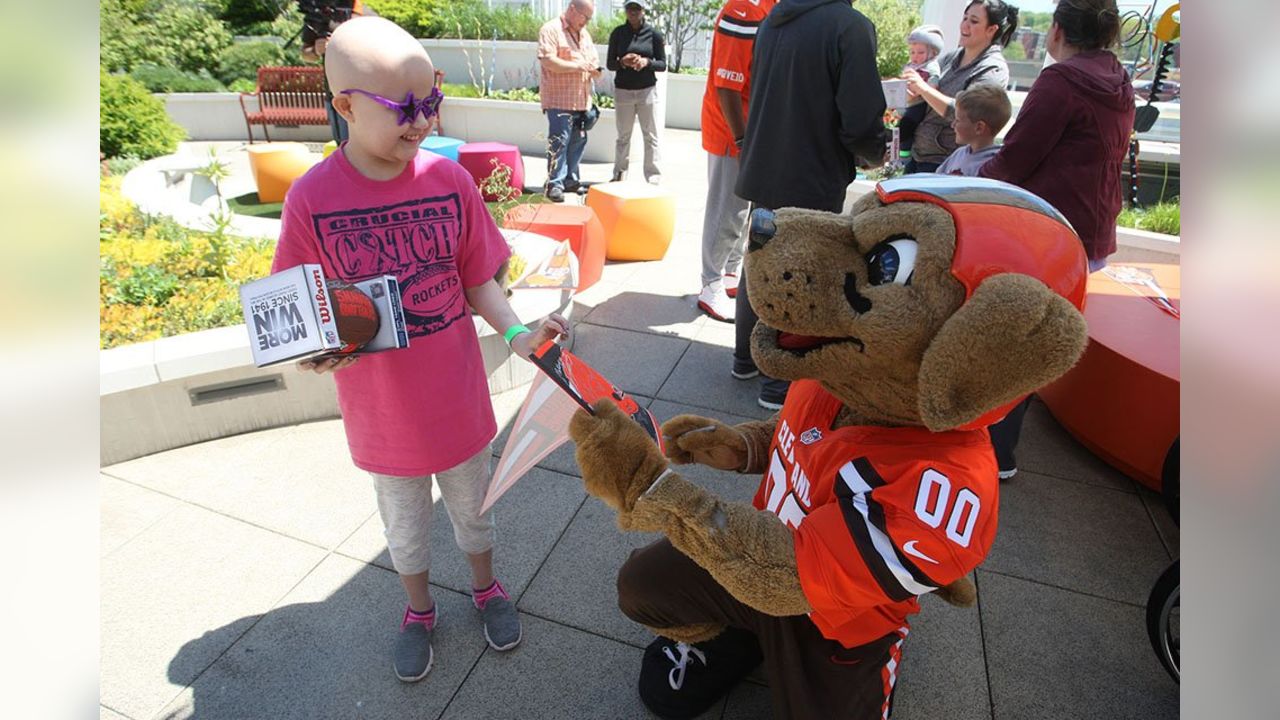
(480,597)
(427,618)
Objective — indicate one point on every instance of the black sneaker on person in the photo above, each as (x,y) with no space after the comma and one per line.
(744,369)
(555,194)
(680,681)
(771,398)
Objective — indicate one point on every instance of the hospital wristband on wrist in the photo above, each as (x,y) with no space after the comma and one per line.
(513,331)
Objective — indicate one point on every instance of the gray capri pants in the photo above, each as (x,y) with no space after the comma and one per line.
(406,507)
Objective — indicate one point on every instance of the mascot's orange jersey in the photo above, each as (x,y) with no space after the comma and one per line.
(880,515)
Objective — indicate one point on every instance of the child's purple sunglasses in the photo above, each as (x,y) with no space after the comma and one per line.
(408,108)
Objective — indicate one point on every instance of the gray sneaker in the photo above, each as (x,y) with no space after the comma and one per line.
(413,654)
(501,623)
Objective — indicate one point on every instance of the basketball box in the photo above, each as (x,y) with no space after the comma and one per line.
(290,316)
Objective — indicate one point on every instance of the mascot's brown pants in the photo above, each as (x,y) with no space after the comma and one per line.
(809,675)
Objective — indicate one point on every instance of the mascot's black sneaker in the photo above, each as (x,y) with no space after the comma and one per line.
(680,681)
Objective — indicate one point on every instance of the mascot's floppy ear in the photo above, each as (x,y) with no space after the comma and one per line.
(1013,336)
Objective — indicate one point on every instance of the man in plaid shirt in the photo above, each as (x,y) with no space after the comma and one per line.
(569,65)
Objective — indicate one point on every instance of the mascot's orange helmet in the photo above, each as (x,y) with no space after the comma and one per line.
(1000,228)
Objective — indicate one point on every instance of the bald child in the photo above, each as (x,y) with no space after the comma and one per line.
(413,417)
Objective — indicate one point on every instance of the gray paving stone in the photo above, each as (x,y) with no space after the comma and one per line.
(1077,536)
(673,278)
(702,379)
(577,585)
(555,673)
(617,272)
(192,574)
(298,480)
(1046,448)
(636,362)
(1168,529)
(652,313)
(530,518)
(325,651)
(717,333)
(943,671)
(125,510)
(106,713)
(1060,655)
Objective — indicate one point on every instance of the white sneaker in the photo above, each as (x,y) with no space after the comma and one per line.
(731,285)
(714,302)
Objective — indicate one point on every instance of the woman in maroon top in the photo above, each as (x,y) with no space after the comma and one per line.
(1071,137)
(1067,146)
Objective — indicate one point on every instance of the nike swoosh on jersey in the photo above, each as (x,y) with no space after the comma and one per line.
(740,13)
(909,547)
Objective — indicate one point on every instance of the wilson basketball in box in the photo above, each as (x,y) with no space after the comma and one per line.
(355,314)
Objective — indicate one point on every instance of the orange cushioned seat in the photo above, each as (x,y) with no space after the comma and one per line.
(1121,399)
(276,165)
(639,219)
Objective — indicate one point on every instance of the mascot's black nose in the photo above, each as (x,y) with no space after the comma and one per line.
(762,229)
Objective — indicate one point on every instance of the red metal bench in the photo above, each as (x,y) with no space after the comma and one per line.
(287,96)
(295,95)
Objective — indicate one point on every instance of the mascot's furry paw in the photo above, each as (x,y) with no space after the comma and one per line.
(618,460)
(961,593)
(696,439)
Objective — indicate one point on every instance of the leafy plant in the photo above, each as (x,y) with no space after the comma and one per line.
(168,33)
(1165,217)
(243,15)
(121,166)
(132,121)
(170,80)
(516,94)
(157,278)
(242,60)
(1015,51)
(894,20)
(681,21)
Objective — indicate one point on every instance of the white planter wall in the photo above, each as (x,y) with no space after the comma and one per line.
(684,100)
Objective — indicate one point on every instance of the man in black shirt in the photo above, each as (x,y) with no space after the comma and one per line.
(636,52)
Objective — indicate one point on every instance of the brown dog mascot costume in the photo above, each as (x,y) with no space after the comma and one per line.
(907,326)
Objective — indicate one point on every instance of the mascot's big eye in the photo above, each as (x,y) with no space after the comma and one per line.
(892,261)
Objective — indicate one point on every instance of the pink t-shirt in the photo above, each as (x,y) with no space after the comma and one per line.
(426,408)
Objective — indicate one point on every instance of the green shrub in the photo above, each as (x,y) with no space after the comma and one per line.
(420,18)
(459,90)
(516,94)
(242,60)
(1165,217)
(132,121)
(241,15)
(169,80)
(172,33)
(243,86)
(157,278)
(120,166)
(1015,51)
(894,20)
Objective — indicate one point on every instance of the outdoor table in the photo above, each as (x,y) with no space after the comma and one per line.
(1121,400)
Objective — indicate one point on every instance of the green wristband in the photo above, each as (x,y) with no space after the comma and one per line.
(513,331)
